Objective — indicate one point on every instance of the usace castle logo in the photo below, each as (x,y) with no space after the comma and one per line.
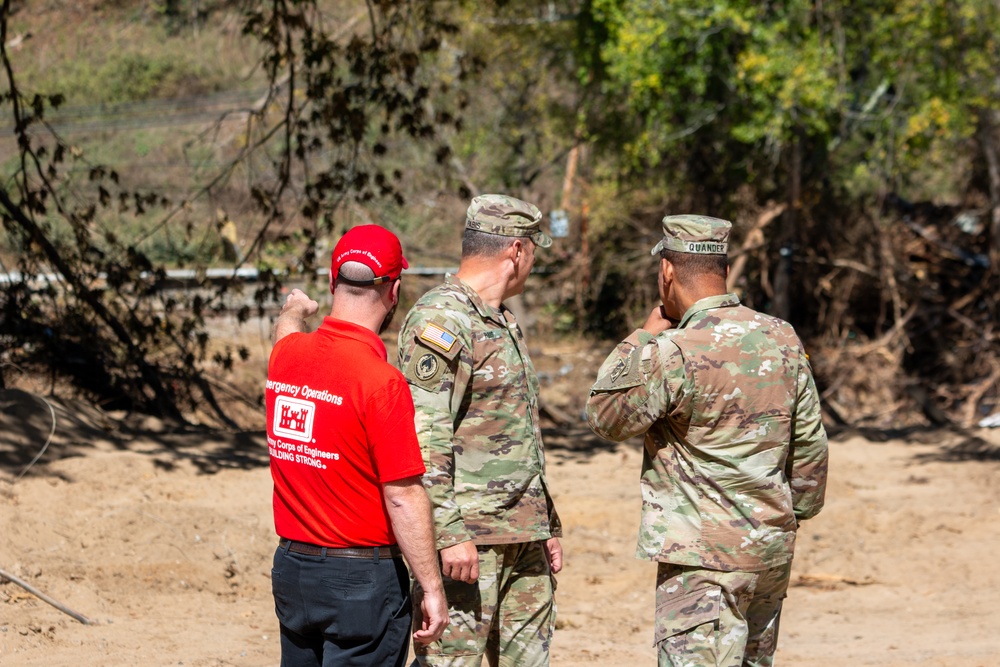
(293,418)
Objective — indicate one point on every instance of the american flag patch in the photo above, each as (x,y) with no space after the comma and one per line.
(436,335)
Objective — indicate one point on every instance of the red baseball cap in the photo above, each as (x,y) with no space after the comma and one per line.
(375,247)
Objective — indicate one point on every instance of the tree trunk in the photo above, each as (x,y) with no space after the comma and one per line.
(782,306)
(988,145)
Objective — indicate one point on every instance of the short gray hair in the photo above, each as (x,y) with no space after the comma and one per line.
(482,244)
(355,272)
(355,278)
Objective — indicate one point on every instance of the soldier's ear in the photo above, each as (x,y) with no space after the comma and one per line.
(666,269)
(515,249)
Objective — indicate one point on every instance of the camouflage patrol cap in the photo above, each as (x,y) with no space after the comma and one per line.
(506,216)
(697,234)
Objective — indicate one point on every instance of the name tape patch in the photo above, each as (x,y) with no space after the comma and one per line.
(706,247)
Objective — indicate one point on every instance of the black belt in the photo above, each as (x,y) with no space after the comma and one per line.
(340,552)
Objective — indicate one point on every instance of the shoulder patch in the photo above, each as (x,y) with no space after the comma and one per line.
(425,370)
(426,367)
(626,372)
(437,335)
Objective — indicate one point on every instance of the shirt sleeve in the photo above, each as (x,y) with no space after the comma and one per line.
(438,380)
(809,455)
(284,342)
(632,390)
(389,426)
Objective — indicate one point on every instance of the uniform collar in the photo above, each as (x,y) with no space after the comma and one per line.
(485,310)
(355,332)
(708,303)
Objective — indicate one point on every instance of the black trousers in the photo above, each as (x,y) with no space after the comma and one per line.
(347,612)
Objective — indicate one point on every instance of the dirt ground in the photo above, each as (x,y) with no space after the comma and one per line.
(163,541)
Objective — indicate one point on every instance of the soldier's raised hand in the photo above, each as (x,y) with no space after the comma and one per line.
(658,321)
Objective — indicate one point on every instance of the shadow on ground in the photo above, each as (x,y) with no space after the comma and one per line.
(967,446)
(35,430)
(956,444)
(578,440)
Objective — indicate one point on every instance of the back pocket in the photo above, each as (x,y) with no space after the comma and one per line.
(350,594)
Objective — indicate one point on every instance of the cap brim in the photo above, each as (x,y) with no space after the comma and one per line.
(541,239)
(657,248)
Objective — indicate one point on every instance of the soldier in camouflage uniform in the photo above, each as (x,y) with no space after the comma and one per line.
(735,452)
(476,398)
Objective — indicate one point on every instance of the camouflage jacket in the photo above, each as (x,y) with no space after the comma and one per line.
(735,449)
(476,399)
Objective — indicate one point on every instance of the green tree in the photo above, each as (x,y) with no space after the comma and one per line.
(847,113)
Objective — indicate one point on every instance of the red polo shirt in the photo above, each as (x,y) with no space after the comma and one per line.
(339,425)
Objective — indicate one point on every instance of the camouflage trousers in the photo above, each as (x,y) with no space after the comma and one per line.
(508,615)
(709,618)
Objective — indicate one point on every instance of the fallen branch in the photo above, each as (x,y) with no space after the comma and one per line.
(753,239)
(976,395)
(48,440)
(830,580)
(45,598)
(556,414)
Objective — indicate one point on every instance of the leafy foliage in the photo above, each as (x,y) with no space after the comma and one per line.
(846,113)
(320,136)
(854,144)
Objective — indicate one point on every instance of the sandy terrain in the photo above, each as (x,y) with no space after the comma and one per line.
(163,540)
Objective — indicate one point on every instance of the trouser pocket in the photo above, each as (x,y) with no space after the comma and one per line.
(350,594)
(691,617)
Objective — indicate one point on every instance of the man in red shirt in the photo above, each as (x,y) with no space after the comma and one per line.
(348,499)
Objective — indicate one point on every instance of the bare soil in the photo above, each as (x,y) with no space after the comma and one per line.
(164,539)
